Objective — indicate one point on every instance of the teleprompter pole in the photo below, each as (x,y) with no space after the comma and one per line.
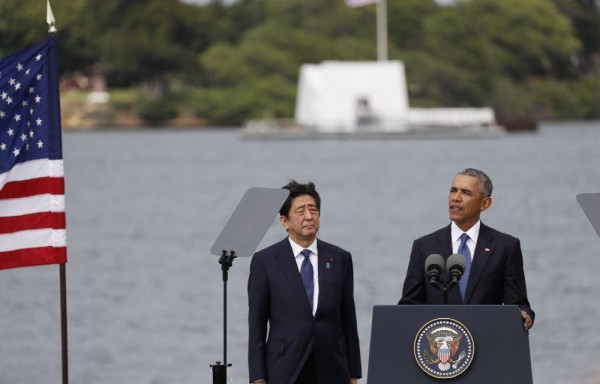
(219,370)
(239,238)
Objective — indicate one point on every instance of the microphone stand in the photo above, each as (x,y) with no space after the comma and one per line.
(444,288)
(219,370)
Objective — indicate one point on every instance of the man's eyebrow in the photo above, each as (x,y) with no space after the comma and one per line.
(306,205)
(464,190)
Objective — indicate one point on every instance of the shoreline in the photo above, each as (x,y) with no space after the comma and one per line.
(86,120)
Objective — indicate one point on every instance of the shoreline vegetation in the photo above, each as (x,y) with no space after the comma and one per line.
(169,63)
(84,111)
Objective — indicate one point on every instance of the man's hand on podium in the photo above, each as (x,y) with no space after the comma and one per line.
(353,380)
(527,322)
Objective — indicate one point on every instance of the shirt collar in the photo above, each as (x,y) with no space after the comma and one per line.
(473,232)
(296,248)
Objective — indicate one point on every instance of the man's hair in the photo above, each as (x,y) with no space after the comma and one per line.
(296,189)
(484,182)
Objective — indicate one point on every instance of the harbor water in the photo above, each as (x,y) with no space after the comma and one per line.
(144,207)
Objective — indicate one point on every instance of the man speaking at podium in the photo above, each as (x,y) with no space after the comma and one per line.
(301,290)
(493,272)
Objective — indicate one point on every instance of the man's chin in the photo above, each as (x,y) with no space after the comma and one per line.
(309,233)
(454,217)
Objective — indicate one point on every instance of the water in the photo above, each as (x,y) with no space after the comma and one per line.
(144,208)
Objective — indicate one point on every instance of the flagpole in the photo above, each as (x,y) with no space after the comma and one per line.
(382,50)
(62,267)
(63,324)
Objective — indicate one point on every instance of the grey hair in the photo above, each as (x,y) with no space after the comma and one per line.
(485,183)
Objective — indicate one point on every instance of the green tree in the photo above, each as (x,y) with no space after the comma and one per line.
(23,23)
(406,20)
(435,83)
(519,56)
(265,63)
(511,38)
(585,17)
(147,43)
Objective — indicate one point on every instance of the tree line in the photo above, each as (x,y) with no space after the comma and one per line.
(230,63)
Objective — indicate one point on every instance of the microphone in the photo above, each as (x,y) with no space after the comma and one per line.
(433,266)
(456,265)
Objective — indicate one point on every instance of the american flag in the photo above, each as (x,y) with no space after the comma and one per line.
(360,3)
(32,202)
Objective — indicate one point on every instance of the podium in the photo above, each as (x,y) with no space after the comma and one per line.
(493,350)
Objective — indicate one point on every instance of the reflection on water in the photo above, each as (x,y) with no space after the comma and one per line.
(144,208)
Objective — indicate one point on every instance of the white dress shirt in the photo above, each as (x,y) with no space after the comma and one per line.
(473,233)
(313,260)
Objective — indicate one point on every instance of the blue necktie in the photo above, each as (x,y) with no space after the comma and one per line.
(464,250)
(306,272)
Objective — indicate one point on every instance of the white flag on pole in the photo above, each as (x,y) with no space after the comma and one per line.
(359,3)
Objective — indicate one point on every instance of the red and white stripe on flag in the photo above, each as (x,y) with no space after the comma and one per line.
(360,3)
(32,193)
(32,214)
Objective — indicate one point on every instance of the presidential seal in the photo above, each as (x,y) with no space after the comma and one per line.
(444,348)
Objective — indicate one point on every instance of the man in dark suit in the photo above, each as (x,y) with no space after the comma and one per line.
(300,290)
(493,275)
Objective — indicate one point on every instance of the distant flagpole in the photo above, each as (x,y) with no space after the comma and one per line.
(382,40)
(382,43)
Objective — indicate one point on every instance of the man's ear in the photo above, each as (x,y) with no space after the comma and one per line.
(486,203)
(283,222)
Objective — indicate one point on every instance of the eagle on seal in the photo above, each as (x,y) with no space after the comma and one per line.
(444,347)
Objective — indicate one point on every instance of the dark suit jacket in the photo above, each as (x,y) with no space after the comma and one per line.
(496,275)
(276,296)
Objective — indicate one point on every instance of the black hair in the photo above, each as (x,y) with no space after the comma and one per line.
(297,189)
(485,183)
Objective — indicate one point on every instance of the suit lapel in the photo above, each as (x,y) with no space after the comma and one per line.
(483,253)
(444,245)
(325,263)
(289,268)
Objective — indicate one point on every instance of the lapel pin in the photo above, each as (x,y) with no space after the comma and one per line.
(329,262)
(487,249)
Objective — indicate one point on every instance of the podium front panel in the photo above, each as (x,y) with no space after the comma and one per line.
(501,345)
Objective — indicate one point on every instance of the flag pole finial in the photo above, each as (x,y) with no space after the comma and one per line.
(50,18)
